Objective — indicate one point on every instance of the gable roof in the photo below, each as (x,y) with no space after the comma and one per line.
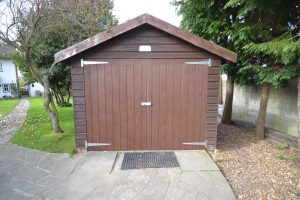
(136,22)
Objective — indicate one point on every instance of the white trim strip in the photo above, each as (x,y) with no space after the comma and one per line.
(208,62)
(196,143)
(86,62)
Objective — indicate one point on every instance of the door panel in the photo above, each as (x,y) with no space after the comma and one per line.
(113,96)
(114,93)
(137,81)
(178,95)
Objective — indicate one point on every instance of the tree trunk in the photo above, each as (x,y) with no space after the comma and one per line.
(50,107)
(226,118)
(69,95)
(56,96)
(298,124)
(62,99)
(49,104)
(261,119)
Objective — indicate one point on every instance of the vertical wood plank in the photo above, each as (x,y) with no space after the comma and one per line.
(95,105)
(123,106)
(162,105)
(144,109)
(149,111)
(198,104)
(116,106)
(183,106)
(130,106)
(155,107)
(101,97)
(170,102)
(190,104)
(109,106)
(176,107)
(137,106)
(87,83)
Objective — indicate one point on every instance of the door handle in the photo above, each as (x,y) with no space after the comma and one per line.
(146,103)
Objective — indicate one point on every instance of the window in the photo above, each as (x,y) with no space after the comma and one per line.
(1,69)
(32,85)
(5,88)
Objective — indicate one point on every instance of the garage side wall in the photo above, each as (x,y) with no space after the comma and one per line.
(213,88)
(164,46)
(79,103)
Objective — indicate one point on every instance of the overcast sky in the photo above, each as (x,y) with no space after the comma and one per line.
(128,9)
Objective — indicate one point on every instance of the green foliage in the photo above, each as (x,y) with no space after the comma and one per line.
(275,24)
(286,158)
(67,23)
(19,62)
(277,76)
(37,133)
(285,49)
(206,18)
(21,81)
(281,147)
(220,22)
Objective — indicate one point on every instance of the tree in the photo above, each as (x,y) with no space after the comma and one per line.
(275,19)
(212,20)
(24,24)
(73,22)
(285,49)
(19,62)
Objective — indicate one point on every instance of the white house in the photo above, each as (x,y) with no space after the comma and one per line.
(35,89)
(8,73)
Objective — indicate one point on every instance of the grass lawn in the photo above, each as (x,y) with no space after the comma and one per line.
(37,133)
(7,105)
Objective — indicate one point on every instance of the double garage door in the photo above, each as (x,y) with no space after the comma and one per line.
(145,104)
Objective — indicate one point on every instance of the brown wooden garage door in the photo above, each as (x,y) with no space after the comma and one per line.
(115,116)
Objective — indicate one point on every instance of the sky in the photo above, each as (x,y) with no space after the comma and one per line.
(128,9)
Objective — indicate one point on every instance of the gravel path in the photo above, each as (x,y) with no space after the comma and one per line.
(10,123)
(257,169)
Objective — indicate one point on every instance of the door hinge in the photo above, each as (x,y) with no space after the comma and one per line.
(208,62)
(95,144)
(196,143)
(93,62)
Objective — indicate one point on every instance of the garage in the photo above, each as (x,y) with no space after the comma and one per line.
(145,85)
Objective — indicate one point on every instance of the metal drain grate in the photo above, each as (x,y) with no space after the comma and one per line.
(140,160)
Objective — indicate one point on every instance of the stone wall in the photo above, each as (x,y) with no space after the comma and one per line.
(281,111)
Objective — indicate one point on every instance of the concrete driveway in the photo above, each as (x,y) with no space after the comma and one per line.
(31,174)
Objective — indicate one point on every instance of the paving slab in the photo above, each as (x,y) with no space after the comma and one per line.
(195,161)
(32,174)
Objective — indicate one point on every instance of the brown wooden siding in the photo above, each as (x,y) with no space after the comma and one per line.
(164,46)
(212,105)
(78,87)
